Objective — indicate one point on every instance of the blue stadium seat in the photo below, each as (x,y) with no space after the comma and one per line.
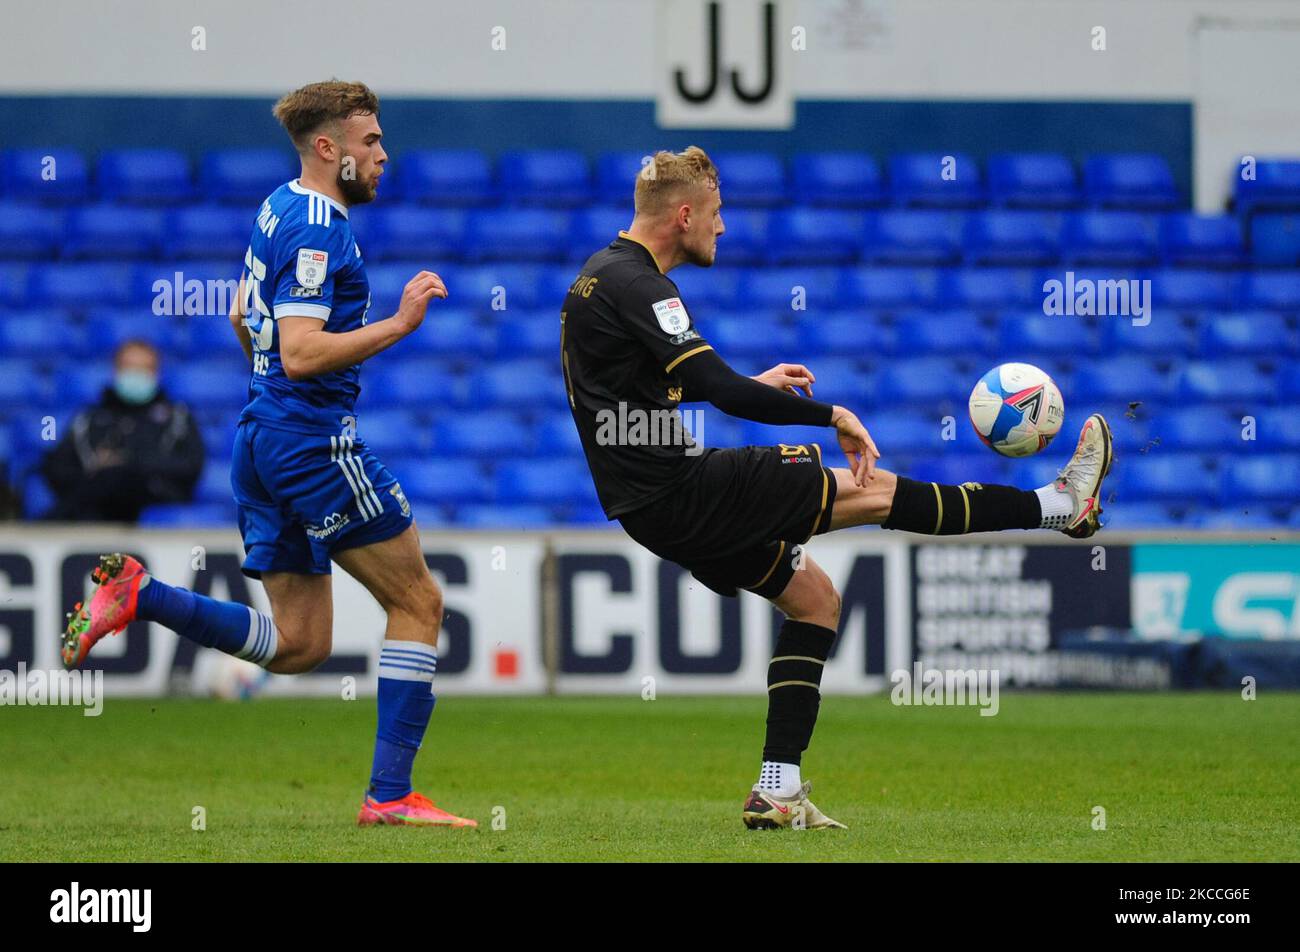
(1238,516)
(1275,185)
(29,230)
(82,284)
(1275,239)
(45,334)
(145,176)
(502,517)
(1261,333)
(750,178)
(990,288)
(517,234)
(456,333)
(1125,377)
(778,288)
(523,384)
(74,392)
(444,177)
(915,237)
(22,385)
(490,287)
(440,481)
(1130,429)
(889,288)
(1165,334)
(841,380)
(1288,381)
(708,425)
(917,334)
(761,434)
(1124,516)
(528,333)
(745,333)
(1184,290)
(908,431)
(746,239)
(1108,238)
(1133,181)
(924,380)
(1011,238)
(245,176)
(861,333)
(1234,381)
(1191,240)
(189,515)
(495,434)
(544,177)
(16,284)
(410,382)
(397,432)
(107,328)
(113,231)
(917,179)
(556,435)
(956,467)
(845,179)
(1032,180)
(1273,290)
(616,174)
(814,235)
(218,440)
(205,231)
(1022,333)
(210,383)
(717,286)
(594,228)
(414,232)
(1258,477)
(55,176)
(214,483)
(544,481)
(1170,477)
(1278,428)
(1203,428)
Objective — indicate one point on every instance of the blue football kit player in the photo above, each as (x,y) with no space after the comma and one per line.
(309,491)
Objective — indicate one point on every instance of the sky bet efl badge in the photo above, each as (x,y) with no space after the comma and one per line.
(671,313)
(311,267)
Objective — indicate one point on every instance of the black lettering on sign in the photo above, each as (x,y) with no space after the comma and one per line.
(725,660)
(618,570)
(20,623)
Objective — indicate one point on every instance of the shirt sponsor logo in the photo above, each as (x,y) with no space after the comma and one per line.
(671,315)
(298,292)
(312,266)
(692,334)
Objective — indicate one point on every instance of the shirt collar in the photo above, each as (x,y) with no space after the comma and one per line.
(296,186)
(626,237)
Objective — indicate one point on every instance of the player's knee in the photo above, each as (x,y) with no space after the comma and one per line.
(421,600)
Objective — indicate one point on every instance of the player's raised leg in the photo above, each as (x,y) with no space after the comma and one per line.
(395,573)
(812,609)
(1071,503)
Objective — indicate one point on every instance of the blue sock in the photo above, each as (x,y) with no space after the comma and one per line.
(227,626)
(406,700)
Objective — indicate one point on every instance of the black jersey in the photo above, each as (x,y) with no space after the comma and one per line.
(624,330)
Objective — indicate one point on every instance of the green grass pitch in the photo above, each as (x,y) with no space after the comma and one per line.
(1182,777)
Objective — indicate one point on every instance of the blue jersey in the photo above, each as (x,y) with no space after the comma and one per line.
(302,261)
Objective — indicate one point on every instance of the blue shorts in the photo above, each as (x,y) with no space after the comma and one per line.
(304,496)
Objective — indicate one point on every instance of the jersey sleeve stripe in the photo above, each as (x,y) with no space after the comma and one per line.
(689,353)
(318,311)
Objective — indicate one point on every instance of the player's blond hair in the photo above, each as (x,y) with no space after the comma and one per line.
(667,176)
(306,111)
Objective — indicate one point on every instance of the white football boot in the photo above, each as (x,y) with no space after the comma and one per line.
(764,810)
(1083,475)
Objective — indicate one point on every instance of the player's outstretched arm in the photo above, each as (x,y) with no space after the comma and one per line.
(307,350)
(237,322)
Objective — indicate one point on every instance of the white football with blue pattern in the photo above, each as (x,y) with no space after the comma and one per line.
(1016,409)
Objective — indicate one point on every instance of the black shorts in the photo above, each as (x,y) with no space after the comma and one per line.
(739,519)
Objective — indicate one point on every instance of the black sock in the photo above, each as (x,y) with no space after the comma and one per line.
(794,678)
(937,509)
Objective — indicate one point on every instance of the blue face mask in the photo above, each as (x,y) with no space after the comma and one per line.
(135,386)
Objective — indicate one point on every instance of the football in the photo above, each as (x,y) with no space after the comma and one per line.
(1016,409)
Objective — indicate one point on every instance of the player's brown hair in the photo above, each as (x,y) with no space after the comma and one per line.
(668,174)
(304,111)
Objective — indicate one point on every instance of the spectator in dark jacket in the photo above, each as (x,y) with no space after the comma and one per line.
(132,449)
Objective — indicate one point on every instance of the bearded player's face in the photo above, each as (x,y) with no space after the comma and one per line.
(363,158)
(700,242)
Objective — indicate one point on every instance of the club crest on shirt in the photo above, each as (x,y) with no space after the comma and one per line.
(312,265)
(671,315)
(400,496)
